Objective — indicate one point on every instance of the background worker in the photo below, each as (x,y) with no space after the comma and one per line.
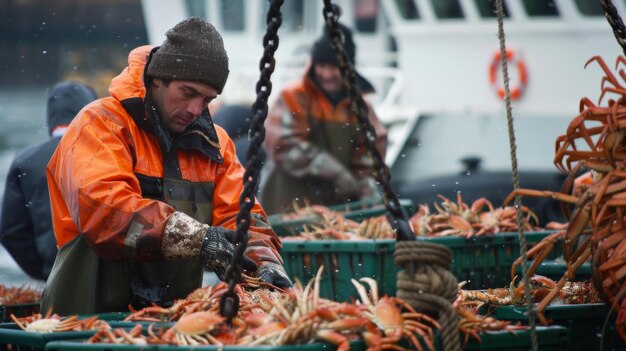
(315,149)
(145,188)
(25,223)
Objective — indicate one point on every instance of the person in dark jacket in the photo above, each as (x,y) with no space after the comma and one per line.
(26,223)
(314,147)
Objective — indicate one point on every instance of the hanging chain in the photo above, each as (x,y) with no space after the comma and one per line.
(518,199)
(229,303)
(610,12)
(397,218)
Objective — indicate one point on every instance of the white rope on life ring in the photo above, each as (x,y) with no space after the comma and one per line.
(515,61)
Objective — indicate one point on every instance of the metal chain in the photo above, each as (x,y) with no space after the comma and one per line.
(229,303)
(518,199)
(610,12)
(397,218)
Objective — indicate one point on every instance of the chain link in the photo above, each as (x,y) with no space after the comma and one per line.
(229,304)
(615,21)
(396,216)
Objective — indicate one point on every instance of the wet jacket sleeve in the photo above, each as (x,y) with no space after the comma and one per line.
(93,172)
(288,144)
(16,229)
(263,244)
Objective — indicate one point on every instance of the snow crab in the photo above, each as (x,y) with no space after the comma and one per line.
(392,319)
(118,336)
(459,218)
(50,323)
(202,328)
(595,142)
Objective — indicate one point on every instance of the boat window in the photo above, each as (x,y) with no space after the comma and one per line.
(445,9)
(365,15)
(589,7)
(541,8)
(293,15)
(233,13)
(196,8)
(407,9)
(487,8)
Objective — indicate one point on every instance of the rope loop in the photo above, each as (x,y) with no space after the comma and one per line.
(426,283)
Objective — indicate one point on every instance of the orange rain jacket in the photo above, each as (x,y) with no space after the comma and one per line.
(310,141)
(94,186)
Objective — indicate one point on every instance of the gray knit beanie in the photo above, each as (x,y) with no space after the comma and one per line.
(193,51)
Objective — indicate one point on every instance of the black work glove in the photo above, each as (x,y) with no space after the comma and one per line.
(274,273)
(217,252)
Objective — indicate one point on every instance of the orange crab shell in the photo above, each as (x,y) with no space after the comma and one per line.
(388,315)
(197,323)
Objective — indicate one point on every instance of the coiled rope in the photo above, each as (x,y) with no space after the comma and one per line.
(426,283)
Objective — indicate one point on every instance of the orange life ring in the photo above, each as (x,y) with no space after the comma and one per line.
(514,61)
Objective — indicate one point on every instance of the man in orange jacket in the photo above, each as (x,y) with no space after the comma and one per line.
(145,188)
(315,149)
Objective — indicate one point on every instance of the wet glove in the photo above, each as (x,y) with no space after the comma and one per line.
(217,251)
(274,273)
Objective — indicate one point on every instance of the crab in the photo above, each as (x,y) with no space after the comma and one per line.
(54,323)
(394,319)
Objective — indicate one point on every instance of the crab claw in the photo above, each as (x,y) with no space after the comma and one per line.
(334,338)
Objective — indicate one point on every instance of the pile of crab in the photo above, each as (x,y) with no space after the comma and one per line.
(296,316)
(292,317)
(18,295)
(450,218)
(50,323)
(461,219)
(595,205)
(571,293)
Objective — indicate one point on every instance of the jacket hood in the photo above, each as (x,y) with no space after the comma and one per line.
(130,82)
(65,100)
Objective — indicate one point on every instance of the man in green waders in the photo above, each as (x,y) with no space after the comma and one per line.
(145,188)
(316,152)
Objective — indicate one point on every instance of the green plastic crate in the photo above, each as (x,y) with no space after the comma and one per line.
(357,211)
(20,310)
(484,261)
(556,269)
(553,338)
(585,322)
(13,338)
(109,316)
(73,345)
(550,338)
